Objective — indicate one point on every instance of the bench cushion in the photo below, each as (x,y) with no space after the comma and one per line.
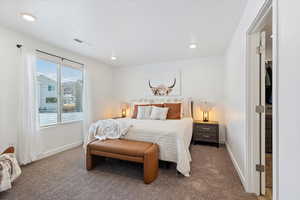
(121,146)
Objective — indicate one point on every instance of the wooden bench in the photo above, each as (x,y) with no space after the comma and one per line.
(135,151)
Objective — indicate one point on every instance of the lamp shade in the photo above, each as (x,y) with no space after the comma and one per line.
(124,105)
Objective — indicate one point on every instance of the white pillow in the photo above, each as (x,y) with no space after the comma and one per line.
(144,112)
(159,113)
(132,104)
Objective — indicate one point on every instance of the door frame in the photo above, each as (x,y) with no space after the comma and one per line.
(252,180)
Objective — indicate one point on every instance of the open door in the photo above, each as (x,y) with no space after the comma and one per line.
(258,42)
(260,109)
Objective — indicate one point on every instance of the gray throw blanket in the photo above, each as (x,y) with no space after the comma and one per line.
(106,129)
(9,170)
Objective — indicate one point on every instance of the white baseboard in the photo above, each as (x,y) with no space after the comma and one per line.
(60,149)
(236,166)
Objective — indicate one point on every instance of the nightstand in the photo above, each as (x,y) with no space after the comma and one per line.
(206,132)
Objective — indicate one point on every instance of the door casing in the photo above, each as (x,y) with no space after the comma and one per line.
(252,153)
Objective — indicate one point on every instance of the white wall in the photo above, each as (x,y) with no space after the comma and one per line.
(201,79)
(288,94)
(288,99)
(61,136)
(235,92)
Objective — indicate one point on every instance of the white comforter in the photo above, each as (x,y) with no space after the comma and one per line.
(172,136)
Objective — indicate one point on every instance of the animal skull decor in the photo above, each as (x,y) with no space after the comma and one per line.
(162,90)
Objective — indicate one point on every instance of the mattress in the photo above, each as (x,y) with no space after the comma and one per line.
(172,136)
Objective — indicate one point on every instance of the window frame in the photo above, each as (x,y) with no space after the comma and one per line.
(60,62)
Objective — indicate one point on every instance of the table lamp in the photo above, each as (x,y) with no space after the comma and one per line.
(206,107)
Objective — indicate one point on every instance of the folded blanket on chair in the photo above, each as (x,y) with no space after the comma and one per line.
(106,129)
(9,170)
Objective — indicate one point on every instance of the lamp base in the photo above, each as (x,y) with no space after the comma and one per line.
(205,116)
(123,112)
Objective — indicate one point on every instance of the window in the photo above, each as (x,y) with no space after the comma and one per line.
(51,100)
(48,106)
(51,88)
(60,85)
(71,91)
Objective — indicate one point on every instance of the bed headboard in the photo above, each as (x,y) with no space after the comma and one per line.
(186,102)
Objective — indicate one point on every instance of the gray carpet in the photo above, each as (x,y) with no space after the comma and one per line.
(63,176)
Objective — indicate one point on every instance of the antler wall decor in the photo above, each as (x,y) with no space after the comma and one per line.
(162,90)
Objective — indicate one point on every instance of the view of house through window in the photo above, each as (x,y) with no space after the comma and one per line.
(71,90)
(59,92)
(47,91)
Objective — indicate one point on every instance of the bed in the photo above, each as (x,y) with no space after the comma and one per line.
(165,122)
(172,136)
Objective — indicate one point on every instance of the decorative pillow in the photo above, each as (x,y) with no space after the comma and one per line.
(159,113)
(144,112)
(135,109)
(174,110)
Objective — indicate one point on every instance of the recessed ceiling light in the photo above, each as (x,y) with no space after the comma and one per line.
(113,58)
(193,46)
(28,17)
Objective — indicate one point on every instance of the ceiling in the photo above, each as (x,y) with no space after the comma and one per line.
(137,32)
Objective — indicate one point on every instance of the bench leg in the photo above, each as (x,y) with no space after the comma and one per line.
(151,164)
(88,160)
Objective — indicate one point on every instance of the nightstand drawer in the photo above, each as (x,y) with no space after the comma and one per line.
(209,137)
(205,128)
